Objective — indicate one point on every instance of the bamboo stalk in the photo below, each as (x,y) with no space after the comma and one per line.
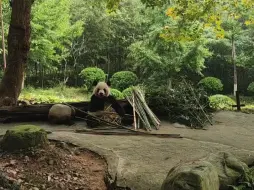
(134,114)
(140,95)
(138,112)
(151,115)
(147,109)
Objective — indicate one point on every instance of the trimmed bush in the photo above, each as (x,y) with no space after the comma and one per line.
(220,101)
(116,93)
(92,74)
(127,92)
(211,85)
(123,79)
(250,88)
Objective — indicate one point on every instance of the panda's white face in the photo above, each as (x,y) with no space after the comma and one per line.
(101,90)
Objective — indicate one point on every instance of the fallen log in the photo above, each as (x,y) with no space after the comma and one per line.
(39,112)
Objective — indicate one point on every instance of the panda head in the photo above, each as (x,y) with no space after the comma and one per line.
(101,89)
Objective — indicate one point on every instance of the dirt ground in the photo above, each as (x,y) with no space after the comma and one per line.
(142,163)
(57,167)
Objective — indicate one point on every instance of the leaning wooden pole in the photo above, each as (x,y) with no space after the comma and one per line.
(2,29)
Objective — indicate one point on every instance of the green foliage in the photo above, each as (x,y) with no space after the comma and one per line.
(123,79)
(211,85)
(52,33)
(24,137)
(54,95)
(116,93)
(127,92)
(181,104)
(219,102)
(91,75)
(250,88)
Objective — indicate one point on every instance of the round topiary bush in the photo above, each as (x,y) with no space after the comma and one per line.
(92,74)
(123,79)
(220,101)
(116,93)
(127,91)
(24,137)
(211,85)
(250,88)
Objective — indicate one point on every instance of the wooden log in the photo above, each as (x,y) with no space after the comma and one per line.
(39,112)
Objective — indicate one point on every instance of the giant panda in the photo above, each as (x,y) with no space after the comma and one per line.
(100,96)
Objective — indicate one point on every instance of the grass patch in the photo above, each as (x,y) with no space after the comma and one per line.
(54,95)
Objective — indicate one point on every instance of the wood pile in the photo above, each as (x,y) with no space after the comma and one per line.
(143,115)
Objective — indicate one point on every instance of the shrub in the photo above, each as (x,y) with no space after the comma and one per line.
(211,85)
(180,104)
(123,79)
(116,93)
(250,88)
(219,101)
(127,91)
(92,74)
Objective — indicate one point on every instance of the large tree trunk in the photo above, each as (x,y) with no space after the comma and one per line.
(18,48)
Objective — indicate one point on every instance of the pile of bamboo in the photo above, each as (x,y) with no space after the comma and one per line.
(143,115)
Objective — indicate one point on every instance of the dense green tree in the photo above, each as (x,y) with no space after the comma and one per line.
(52,34)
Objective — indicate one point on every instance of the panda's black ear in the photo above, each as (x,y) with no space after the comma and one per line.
(108,82)
(95,83)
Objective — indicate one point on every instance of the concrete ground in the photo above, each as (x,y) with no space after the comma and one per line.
(142,163)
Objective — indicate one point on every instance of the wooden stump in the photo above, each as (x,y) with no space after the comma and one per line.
(24,137)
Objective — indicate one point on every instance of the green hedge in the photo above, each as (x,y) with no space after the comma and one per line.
(220,101)
(250,88)
(211,85)
(123,79)
(116,93)
(92,74)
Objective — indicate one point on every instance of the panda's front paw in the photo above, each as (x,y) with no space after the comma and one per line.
(126,121)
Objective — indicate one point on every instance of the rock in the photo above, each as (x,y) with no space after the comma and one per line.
(34,188)
(13,162)
(228,167)
(199,175)
(12,173)
(24,137)
(27,159)
(68,177)
(51,162)
(61,114)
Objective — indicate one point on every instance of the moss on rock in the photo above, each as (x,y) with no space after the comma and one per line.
(24,137)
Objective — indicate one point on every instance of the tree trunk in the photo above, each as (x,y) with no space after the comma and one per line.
(234,63)
(3,41)
(18,48)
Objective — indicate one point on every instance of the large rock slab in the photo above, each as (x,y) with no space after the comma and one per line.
(229,168)
(200,175)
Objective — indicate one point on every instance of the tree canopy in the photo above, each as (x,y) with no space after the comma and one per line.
(157,40)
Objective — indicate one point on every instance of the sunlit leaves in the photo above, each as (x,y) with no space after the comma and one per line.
(52,33)
(209,14)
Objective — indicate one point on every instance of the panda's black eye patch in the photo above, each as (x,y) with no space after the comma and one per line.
(105,90)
